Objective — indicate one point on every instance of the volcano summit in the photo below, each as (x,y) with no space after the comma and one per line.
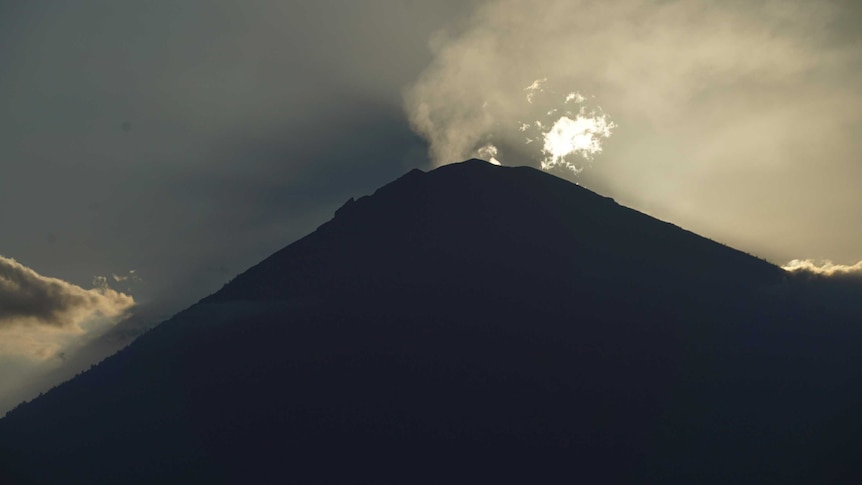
(473,324)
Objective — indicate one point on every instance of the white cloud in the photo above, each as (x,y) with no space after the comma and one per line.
(727,111)
(489,152)
(575,97)
(581,136)
(42,320)
(826,268)
(653,58)
(534,88)
(41,316)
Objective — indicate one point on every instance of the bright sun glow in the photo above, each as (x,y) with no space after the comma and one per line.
(581,136)
(562,130)
(567,133)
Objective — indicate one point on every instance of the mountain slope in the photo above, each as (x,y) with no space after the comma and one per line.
(470,324)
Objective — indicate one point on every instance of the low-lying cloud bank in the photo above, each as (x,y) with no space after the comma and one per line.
(826,268)
(43,322)
(40,315)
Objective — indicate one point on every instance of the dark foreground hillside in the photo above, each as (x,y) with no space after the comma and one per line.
(473,324)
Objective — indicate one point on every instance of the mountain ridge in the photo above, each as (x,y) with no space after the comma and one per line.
(470,323)
(416,181)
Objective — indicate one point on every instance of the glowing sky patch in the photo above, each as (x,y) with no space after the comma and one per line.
(556,127)
(565,132)
(572,137)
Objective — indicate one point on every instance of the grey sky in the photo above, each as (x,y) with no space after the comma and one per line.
(133,133)
(187,140)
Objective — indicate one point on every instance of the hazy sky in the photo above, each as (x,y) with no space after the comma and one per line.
(740,120)
(185,140)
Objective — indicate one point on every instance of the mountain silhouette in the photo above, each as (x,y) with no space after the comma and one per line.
(472,324)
